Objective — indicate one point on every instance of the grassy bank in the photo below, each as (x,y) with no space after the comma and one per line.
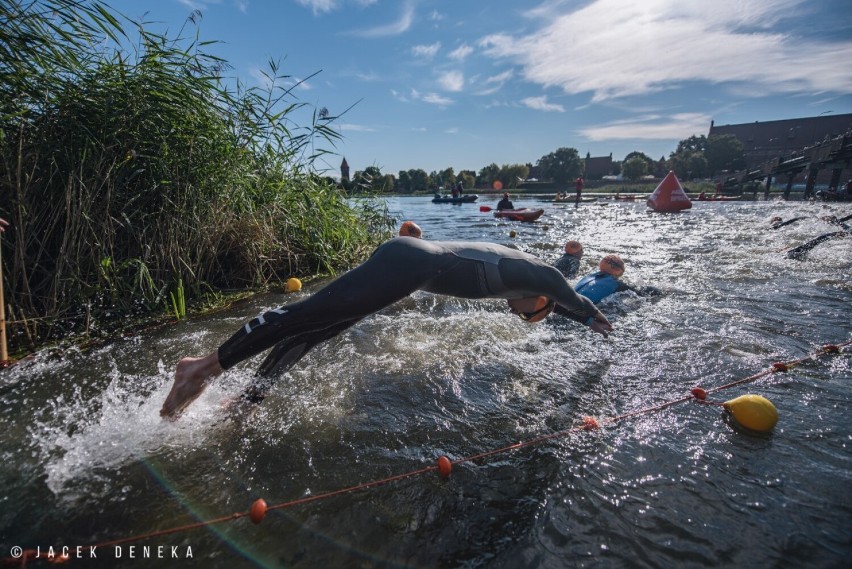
(133,174)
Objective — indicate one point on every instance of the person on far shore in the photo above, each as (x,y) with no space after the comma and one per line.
(505,203)
(569,263)
(579,184)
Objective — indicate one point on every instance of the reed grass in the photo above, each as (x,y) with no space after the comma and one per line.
(130,164)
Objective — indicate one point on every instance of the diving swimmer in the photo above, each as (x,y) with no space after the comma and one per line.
(396,269)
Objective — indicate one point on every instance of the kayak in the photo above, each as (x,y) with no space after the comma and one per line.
(573,199)
(717,198)
(467,198)
(522,214)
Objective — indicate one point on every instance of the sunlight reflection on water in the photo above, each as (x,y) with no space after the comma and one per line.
(433,375)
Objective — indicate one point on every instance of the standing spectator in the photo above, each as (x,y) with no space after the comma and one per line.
(578,185)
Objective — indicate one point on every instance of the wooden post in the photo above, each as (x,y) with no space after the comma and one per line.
(810,182)
(768,185)
(790,177)
(4,351)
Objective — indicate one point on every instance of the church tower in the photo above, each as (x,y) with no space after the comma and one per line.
(344,171)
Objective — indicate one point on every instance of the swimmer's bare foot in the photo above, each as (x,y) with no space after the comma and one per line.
(191,377)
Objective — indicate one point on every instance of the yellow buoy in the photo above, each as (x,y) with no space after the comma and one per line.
(753,412)
(513,234)
(293,285)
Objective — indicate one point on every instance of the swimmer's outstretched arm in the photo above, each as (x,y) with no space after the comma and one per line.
(547,281)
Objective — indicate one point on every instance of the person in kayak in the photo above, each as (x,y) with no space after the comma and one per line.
(569,263)
(396,269)
(505,203)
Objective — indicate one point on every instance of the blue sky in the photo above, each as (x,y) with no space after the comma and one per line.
(466,83)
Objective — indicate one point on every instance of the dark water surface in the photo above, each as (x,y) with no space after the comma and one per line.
(86,458)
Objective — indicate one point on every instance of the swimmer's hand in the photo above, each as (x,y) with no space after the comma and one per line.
(600,324)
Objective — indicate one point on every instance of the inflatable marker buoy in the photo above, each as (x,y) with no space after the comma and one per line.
(293,285)
(669,196)
(753,412)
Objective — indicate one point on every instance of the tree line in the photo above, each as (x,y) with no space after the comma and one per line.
(696,157)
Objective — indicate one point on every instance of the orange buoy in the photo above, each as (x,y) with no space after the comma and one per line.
(258,511)
(669,196)
(699,393)
(590,424)
(445,466)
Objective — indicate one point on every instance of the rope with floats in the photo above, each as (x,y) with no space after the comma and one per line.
(444,465)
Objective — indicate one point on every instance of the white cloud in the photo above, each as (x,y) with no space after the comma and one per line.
(650,127)
(319,6)
(436,99)
(461,52)
(355,127)
(541,104)
(401,25)
(426,51)
(452,81)
(617,48)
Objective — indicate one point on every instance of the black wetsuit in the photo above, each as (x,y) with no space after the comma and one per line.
(568,265)
(504,204)
(396,269)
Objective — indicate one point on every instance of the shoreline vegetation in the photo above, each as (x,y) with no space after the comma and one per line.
(140,183)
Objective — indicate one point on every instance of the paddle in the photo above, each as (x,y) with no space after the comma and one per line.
(484,208)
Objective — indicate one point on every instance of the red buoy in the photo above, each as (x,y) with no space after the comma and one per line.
(699,393)
(445,466)
(258,511)
(669,196)
(780,366)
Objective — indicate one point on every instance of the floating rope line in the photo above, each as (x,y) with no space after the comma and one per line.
(443,466)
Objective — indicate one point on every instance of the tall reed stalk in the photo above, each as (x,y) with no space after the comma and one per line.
(127,165)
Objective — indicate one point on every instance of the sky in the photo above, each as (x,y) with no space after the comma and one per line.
(432,84)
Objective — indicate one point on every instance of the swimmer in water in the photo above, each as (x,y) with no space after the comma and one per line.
(607,281)
(396,269)
(569,263)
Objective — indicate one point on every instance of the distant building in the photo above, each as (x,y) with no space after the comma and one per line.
(764,141)
(344,171)
(597,166)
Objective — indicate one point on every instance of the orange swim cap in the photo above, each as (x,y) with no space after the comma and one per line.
(410,229)
(613,265)
(574,248)
(532,309)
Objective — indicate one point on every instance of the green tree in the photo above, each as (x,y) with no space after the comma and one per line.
(561,166)
(513,174)
(489,174)
(468,178)
(634,168)
(419,180)
(404,181)
(724,152)
(648,160)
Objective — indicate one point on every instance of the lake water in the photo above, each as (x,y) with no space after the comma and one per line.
(86,458)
